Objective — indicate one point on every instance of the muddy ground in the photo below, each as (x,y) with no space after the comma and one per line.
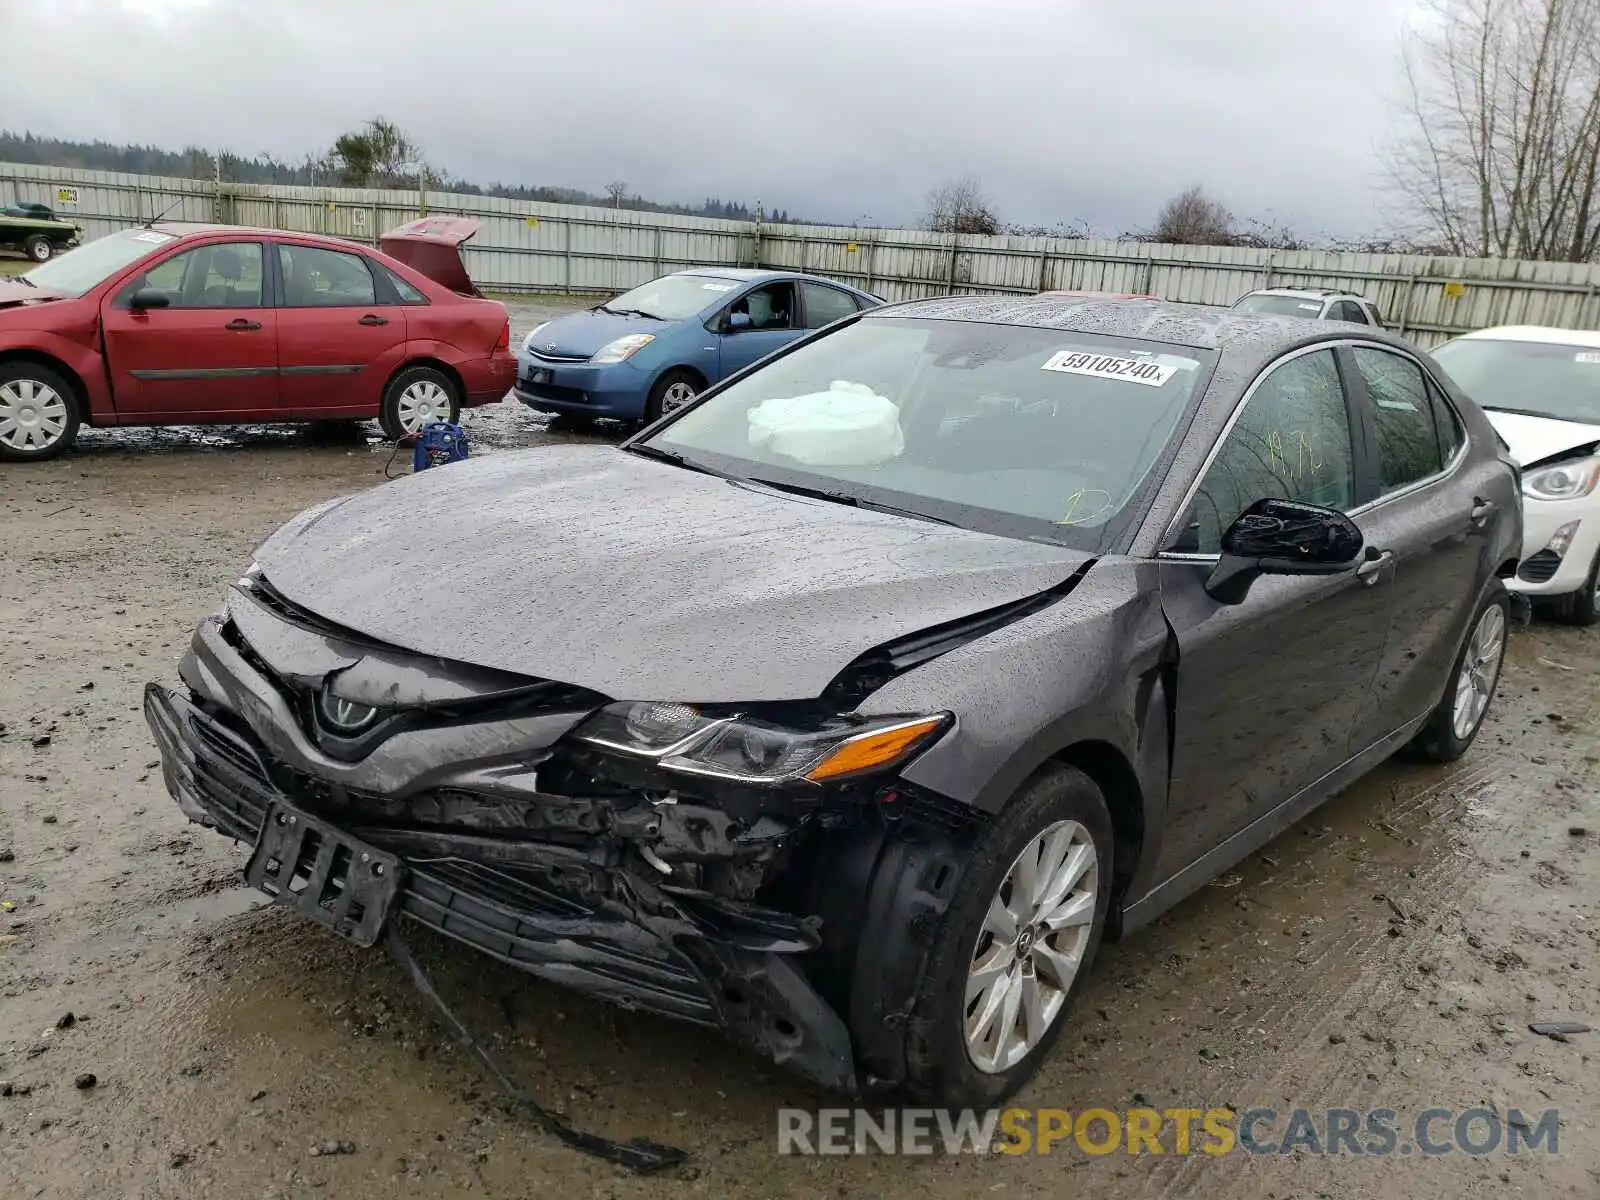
(1389,952)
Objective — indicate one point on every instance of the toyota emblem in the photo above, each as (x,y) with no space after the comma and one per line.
(344,716)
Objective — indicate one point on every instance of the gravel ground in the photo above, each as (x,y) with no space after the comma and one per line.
(1389,952)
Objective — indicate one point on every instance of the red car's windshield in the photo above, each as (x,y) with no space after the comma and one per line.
(77,271)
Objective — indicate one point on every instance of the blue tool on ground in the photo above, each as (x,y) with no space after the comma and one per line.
(440,442)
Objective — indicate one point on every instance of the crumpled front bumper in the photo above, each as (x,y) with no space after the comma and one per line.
(710,967)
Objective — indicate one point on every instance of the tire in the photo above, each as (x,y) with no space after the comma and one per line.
(38,248)
(1442,739)
(941,1070)
(39,412)
(416,396)
(667,395)
(1581,608)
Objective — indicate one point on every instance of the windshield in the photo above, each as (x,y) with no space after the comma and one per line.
(1021,431)
(76,271)
(1540,378)
(1280,306)
(674,297)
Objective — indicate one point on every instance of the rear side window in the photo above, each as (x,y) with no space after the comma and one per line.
(1403,411)
(825,305)
(403,291)
(1451,435)
(318,278)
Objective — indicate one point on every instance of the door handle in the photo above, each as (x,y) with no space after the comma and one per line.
(1372,570)
(1482,510)
(371,319)
(240,325)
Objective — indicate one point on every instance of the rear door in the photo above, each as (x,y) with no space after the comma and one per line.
(774,323)
(339,337)
(211,354)
(1428,513)
(1268,689)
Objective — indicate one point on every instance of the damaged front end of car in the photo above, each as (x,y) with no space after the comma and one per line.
(725,865)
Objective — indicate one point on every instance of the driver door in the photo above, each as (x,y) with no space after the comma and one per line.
(1268,689)
(211,354)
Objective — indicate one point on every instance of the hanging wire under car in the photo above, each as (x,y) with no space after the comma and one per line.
(641,1157)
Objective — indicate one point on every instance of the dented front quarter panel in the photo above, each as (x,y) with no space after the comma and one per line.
(1087,669)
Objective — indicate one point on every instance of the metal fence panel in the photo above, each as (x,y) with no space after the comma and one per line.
(527,246)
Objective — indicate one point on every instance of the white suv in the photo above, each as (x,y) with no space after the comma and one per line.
(1314,306)
(1541,389)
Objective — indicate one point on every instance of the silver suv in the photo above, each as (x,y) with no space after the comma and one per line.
(1313,305)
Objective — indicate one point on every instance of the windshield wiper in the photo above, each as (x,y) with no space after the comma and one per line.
(26,280)
(838,497)
(645,450)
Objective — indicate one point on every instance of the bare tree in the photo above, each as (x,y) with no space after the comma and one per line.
(1193,218)
(961,206)
(617,191)
(1498,153)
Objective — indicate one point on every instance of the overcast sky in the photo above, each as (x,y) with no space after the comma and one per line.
(1067,110)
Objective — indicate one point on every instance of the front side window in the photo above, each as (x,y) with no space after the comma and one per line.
(318,278)
(1408,442)
(1349,310)
(1027,432)
(769,307)
(1291,442)
(227,275)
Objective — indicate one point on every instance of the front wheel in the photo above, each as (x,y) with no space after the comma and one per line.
(1582,607)
(1015,948)
(38,248)
(671,392)
(38,413)
(415,397)
(1454,725)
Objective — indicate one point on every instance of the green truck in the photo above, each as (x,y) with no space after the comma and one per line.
(36,231)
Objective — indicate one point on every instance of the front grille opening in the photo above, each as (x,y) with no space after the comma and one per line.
(1541,568)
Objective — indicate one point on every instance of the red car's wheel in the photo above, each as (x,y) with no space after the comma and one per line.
(38,412)
(415,397)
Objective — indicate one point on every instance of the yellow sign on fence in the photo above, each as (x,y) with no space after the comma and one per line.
(1454,290)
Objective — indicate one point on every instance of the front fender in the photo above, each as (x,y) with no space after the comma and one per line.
(1089,669)
(81,361)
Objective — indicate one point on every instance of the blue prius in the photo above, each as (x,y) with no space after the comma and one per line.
(651,350)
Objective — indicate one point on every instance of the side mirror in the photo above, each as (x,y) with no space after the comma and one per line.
(736,322)
(148,297)
(1283,537)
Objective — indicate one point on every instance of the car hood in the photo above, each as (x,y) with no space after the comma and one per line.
(1534,439)
(581,334)
(13,294)
(639,579)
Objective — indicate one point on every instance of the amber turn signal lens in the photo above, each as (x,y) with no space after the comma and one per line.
(870,751)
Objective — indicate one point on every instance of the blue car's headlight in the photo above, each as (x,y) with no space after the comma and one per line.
(754,750)
(623,348)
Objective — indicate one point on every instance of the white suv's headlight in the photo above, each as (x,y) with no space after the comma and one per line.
(623,348)
(1562,481)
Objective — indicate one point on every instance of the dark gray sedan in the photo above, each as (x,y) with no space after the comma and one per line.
(849,708)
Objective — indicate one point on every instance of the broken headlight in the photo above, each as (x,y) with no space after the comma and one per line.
(752,749)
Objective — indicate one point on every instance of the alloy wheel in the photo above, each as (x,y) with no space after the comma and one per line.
(1031,944)
(676,396)
(1480,671)
(33,415)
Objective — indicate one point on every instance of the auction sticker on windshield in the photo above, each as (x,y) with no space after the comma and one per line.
(1588,356)
(1108,366)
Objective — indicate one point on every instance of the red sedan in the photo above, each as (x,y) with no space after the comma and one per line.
(185,324)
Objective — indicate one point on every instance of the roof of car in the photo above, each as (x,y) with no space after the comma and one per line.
(740,273)
(1303,293)
(1536,333)
(1198,327)
(200,228)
